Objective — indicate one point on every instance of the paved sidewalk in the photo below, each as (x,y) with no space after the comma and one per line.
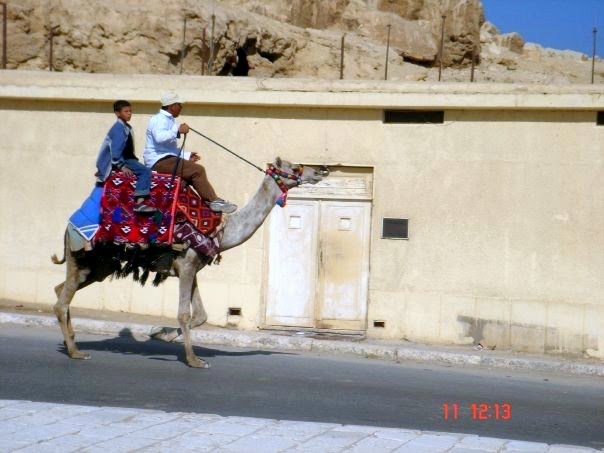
(103,322)
(47,427)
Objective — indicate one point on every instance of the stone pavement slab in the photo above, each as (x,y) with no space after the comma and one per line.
(127,430)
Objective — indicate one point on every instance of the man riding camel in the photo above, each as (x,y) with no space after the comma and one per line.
(161,152)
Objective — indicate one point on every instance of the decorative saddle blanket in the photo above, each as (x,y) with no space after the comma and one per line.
(86,220)
(119,223)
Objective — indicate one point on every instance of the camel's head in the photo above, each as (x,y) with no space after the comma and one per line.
(300,174)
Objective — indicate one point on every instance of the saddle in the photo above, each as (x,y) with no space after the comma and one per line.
(178,207)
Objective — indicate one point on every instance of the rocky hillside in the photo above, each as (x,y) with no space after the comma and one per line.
(284,38)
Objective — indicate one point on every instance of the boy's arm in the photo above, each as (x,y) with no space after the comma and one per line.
(118,144)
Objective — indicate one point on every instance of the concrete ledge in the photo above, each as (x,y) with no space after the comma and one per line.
(275,341)
(370,94)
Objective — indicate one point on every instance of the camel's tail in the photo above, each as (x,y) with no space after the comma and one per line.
(55,259)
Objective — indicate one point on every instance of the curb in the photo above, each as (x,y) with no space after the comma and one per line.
(272,341)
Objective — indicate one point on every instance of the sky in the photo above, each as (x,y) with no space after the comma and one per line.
(560,24)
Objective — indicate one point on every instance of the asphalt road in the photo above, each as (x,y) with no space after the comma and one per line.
(300,386)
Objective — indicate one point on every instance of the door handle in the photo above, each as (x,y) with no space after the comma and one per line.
(320,252)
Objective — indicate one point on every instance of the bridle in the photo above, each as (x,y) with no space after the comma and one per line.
(276,174)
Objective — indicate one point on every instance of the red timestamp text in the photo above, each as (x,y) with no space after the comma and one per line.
(477,411)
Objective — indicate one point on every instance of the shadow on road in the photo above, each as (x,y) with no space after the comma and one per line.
(125,343)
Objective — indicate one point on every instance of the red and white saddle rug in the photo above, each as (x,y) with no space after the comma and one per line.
(119,223)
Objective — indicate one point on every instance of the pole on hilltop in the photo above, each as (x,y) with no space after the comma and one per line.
(211,61)
(593,56)
(342,58)
(4,21)
(182,47)
(442,46)
(387,51)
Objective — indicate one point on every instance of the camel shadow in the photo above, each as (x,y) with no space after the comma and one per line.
(125,343)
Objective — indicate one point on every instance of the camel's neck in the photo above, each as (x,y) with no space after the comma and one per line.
(241,225)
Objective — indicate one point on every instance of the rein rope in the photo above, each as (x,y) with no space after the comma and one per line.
(226,149)
(178,159)
(273,172)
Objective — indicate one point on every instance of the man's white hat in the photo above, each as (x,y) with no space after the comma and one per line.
(171,98)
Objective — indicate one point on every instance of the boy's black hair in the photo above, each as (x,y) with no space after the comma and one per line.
(119,105)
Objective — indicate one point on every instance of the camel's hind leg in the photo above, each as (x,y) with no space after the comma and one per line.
(186,283)
(58,291)
(199,313)
(65,292)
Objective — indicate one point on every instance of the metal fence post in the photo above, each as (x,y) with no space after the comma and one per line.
(342,58)
(442,44)
(203,49)
(211,61)
(50,63)
(593,57)
(4,22)
(182,47)
(387,51)
(51,36)
(473,63)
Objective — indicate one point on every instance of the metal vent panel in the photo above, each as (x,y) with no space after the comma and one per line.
(395,228)
(414,116)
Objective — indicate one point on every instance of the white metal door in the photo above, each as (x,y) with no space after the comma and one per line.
(343,265)
(318,264)
(292,265)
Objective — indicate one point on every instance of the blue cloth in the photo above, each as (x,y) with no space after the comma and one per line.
(112,149)
(162,138)
(87,219)
(143,177)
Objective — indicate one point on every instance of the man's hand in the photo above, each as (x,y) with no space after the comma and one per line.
(194,157)
(126,171)
(183,128)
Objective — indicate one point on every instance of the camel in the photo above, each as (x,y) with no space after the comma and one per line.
(238,228)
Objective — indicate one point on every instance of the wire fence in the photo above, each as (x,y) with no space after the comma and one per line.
(208,47)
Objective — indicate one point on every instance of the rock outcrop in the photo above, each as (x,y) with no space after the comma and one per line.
(285,38)
(415,24)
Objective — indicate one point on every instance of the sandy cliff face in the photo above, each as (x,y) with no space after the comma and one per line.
(415,24)
(299,38)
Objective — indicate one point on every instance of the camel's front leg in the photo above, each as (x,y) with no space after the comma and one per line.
(187,278)
(199,317)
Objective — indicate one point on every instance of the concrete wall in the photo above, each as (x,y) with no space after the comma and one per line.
(505,199)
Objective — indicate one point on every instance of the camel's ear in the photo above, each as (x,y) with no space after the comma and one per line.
(278,162)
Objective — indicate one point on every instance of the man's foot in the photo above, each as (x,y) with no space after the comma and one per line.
(221,205)
(142,208)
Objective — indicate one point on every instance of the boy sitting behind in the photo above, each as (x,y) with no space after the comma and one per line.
(117,150)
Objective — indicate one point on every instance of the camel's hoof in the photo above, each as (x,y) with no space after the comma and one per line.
(198,363)
(79,355)
(196,322)
(167,334)
(156,330)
